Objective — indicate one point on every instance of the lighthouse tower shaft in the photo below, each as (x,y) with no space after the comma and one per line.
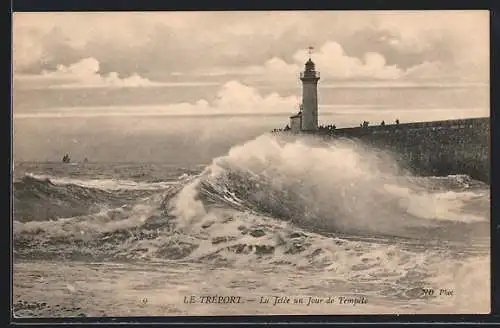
(309,78)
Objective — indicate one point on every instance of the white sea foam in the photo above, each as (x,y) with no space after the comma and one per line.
(340,186)
(107,184)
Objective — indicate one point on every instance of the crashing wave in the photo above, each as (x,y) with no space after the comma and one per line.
(268,200)
(42,198)
(340,187)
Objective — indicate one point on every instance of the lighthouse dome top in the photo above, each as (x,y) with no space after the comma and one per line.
(310,65)
(309,73)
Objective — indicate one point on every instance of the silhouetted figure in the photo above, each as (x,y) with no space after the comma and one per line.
(365,124)
(397,121)
(287,127)
(382,123)
(328,128)
(66,158)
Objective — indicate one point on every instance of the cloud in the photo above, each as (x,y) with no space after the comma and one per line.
(145,42)
(334,64)
(86,74)
(237,97)
(153,45)
(232,98)
(331,60)
(274,70)
(462,72)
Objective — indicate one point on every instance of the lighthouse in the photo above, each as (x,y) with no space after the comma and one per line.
(309,112)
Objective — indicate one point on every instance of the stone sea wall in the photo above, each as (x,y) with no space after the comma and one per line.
(431,148)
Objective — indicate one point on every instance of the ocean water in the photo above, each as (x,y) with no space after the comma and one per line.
(310,228)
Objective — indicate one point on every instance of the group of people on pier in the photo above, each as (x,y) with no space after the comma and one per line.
(331,127)
(366,123)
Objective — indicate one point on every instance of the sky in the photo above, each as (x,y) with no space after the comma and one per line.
(149,75)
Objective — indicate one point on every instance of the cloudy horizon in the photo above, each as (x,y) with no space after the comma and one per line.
(126,68)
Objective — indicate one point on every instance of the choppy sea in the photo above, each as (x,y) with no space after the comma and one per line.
(272,220)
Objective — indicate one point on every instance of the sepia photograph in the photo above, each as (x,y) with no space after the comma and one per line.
(223,163)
